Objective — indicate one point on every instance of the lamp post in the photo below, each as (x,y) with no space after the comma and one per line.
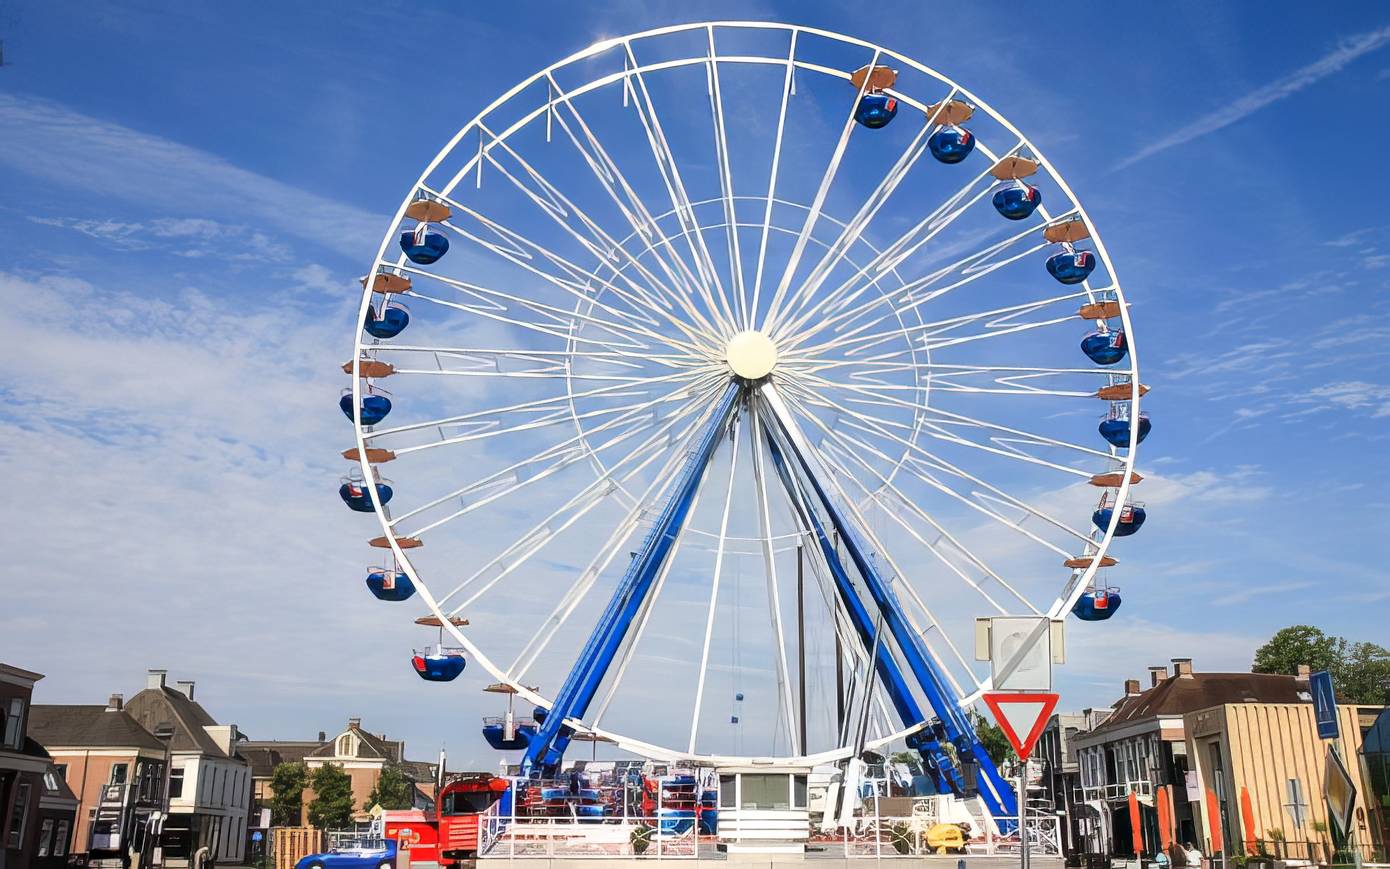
(164,732)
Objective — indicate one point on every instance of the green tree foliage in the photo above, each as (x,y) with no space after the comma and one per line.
(995,743)
(1298,644)
(287,783)
(393,791)
(1360,671)
(331,808)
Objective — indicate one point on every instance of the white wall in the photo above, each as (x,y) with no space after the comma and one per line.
(220,787)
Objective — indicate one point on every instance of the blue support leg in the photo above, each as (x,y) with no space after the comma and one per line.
(997,793)
(943,771)
(547,747)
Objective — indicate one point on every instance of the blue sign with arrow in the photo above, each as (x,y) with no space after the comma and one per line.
(1324,704)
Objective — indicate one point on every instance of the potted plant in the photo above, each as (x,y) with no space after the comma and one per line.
(641,838)
(900,835)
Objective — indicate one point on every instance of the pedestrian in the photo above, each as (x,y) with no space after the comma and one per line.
(1192,858)
(1161,859)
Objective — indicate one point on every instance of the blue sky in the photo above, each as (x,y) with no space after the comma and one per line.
(191,191)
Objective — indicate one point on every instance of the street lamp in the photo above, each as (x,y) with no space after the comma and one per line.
(164,732)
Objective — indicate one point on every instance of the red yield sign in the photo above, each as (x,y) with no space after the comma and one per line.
(1022,716)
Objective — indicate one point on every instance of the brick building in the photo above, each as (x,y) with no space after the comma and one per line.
(37,811)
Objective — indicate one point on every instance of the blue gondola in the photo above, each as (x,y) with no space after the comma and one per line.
(1097,604)
(1115,430)
(354,494)
(390,585)
(951,144)
(739,696)
(1131,519)
(374,407)
(673,821)
(423,246)
(564,794)
(1071,266)
(495,732)
(709,822)
(538,714)
(1017,201)
(389,323)
(876,110)
(1105,348)
(441,666)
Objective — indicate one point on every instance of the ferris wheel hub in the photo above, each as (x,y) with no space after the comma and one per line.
(751,354)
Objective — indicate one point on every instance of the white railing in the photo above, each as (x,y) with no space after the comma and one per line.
(567,838)
(512,835)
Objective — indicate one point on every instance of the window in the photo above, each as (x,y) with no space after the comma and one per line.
(728,797)
(119,771)
(799,791)
(19,815)
(60,839)
(766,791)
(45,833)
(14,724)
(175,782)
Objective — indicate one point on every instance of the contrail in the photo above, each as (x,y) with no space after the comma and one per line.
(1263,96)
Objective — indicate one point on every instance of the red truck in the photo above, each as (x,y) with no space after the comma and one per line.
(450,836)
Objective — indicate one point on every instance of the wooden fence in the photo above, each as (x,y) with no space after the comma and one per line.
(289,844)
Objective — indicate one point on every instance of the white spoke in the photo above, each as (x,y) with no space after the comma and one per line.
(779,640)
(680,200)
(818,202)
(772,179)
(714,591)
(726,183)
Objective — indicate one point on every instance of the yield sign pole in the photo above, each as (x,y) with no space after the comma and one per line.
(1022,717)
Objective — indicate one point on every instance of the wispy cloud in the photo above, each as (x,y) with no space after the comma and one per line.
(188,237)
(1266,95)
(73,151)
(1251,591)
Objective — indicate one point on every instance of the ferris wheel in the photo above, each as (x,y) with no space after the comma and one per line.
(723,375)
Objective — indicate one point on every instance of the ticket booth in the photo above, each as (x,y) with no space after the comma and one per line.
(763,810)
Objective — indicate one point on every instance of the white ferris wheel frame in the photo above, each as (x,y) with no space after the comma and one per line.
(1080,578)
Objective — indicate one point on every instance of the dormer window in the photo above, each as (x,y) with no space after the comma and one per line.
(347,745)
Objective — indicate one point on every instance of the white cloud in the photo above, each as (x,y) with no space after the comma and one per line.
(1252,102)
(73,151)
(190,237)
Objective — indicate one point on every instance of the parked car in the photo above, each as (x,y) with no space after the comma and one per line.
(367,854)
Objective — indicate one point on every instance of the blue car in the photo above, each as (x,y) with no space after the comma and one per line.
(367,854)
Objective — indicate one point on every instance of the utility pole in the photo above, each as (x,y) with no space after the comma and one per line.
(801,641)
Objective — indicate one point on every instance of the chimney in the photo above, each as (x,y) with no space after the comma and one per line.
(184,688)
(1182,667)
(1156,675)
(1131,687)
(354,723)
(154,679)
(1304,672)
(115,704)
(323,737)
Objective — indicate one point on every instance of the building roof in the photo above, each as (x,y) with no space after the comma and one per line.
(73,726)
(1179,695)
(155,706)
(419,771)
(264,756)
(371,746)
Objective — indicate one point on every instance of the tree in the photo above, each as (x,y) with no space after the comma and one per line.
(331,808)
(287,783)
(995,743)
(393,791)
(1364,675)
(1295,645)
(1360,671)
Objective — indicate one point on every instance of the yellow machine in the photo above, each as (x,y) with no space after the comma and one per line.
(946,838)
